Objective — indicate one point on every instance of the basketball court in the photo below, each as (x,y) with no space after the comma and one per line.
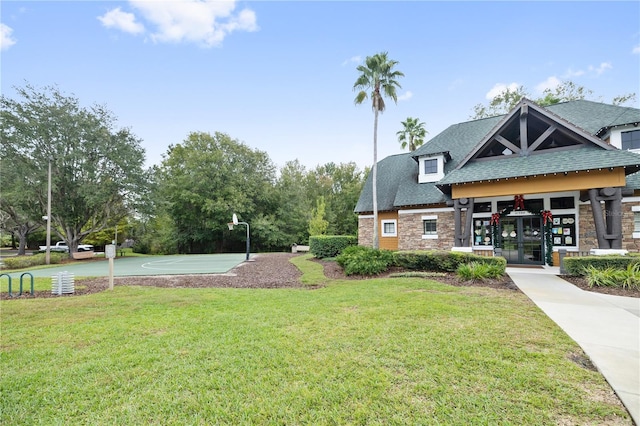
(151,265)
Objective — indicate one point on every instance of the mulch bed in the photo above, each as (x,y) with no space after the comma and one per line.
(273,270)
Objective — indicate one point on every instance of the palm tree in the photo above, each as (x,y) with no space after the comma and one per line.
(413,133)
(377,79)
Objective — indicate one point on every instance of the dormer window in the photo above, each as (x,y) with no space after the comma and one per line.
(431,168)
(631,140)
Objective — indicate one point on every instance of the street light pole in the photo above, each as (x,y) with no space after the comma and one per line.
(47,256)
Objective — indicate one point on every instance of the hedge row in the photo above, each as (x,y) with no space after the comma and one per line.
(367,261)
(20,262)
(442,261)
(578,265)
(323,246)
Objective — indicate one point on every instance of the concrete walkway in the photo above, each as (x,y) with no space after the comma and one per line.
(606,327)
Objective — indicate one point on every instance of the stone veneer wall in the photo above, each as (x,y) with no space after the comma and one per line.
(410,227)
(365,231)
(411,237)
(588,238)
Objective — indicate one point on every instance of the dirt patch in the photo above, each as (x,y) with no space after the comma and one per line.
(584,285)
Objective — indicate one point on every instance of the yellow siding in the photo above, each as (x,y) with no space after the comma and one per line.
(388,243)
(533,185)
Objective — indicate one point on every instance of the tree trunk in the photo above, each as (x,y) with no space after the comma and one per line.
(374,174)
(22,244)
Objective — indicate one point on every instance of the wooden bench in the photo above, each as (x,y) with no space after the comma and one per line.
(83,255)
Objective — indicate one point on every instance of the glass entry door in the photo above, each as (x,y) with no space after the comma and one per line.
(522,240)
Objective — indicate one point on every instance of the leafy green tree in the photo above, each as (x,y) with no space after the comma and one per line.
(412,134)
(294,203)
(566,91)
(502,103)
(377,80)
(97,174)
(19,215)
(206,179)
(318,225)
(340,186)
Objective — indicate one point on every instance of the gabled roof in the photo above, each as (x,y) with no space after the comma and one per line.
(524,131)
(579,122)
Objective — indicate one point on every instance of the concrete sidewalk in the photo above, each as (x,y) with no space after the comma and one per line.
(606,327)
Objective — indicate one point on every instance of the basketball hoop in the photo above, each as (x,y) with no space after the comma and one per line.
(230,225)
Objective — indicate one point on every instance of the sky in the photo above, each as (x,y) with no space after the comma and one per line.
(278,76)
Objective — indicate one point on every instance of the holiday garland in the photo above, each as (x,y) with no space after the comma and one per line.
(547,222)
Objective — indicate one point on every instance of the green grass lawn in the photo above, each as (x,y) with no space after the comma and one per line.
(381,351)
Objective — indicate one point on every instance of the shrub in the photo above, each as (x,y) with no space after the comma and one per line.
(323,246)
(20,262)
(578,265)
(359,260)
(479,271)
(442,261)
(613,277)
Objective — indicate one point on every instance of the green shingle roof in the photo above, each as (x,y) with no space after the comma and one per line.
(398,174)
(586,158)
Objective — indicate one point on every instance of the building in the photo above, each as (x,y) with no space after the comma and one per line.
(526,183)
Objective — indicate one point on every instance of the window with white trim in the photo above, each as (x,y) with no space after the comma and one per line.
(631,140)
(389,228)
(431,168)
(636,221)
(429,227)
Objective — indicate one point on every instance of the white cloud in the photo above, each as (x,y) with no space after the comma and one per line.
(599,70)
(6,40)
(205,22)
(501,88)
(408,95)
(636,50)
(550,83)
(122,21)
(352,60)
(573,73)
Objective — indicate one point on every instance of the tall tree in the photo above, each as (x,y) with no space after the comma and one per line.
(295,203)
(566,91)
(97,173)
(20,215)
(205,180)
(377,80)
(412,134)
(340,186)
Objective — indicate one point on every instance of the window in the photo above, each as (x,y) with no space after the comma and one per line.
(389,228)
(429,227)
(636,221)
(533,205)
(482,207)
(562,203)
(631,140)
(563,230)
(482,232)
(431,166)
